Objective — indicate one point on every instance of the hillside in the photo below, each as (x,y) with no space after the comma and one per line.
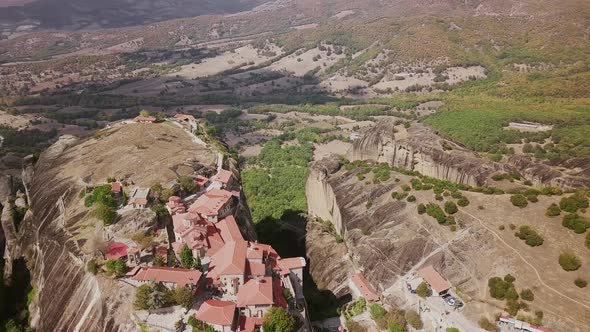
(108,14)
(389,239)
(66,234)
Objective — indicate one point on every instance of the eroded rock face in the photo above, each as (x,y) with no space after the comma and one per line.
(421,150)
(389,241)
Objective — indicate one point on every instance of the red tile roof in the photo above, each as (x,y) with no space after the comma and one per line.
(188,117)
(201,180)
(434,279)
(288,264)
(255,269)
(116,250)
(257,291)
(217,312)
(229,230)
(229,260)
(116,187)
(180,277)
(279,297)
(249,324)
(224,176)
(366,289)
(211,202)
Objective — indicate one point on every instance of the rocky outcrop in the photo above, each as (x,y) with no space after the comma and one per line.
(389,241)
(421,150)
(60,235)
(574,173)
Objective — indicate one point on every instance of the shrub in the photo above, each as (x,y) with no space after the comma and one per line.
(413,318)
(377,311)
(527,295)
(501,289)
(580,282)
(452,329)
(573,203)
(411,198)
(405,187)
(509,278)
(588,240)
(421,208)
(436,212)
(422,290)
(569,261)
(451,207)
(358,307)
(278,319)
(92,266)
(576,223)
(532,198)
(117,267)
(529,235)
(486,324)
(553,210)
(463,201)
(501,227)
(182,296)
(519,200)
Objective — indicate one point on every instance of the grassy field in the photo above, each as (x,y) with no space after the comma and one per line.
(476,113)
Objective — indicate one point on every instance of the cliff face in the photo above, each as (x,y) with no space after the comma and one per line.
(419,149)
(60,234)
(389,241)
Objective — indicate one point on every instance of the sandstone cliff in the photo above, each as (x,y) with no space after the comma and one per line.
(418,148)
(389,240)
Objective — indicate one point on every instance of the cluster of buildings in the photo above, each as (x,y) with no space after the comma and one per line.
(240,280)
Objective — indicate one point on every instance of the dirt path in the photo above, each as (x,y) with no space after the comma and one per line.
(525,261)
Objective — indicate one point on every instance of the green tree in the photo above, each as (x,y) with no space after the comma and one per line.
(278,319)
(569,261)
(142,297)
(187,184)
(396,327)
(377,312)
(13,326)
(529,235)
(450,207)
(107,214)
(553,210)
(573,203)
(186,257)
(182,296)
(576,223)
(519,200)
(463,201)
(527,295)
(158,261)
(116,267)
(144,113)
(580,282)
(421,208)
(422,290)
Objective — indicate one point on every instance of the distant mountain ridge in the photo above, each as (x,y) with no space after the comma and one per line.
(77,14)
